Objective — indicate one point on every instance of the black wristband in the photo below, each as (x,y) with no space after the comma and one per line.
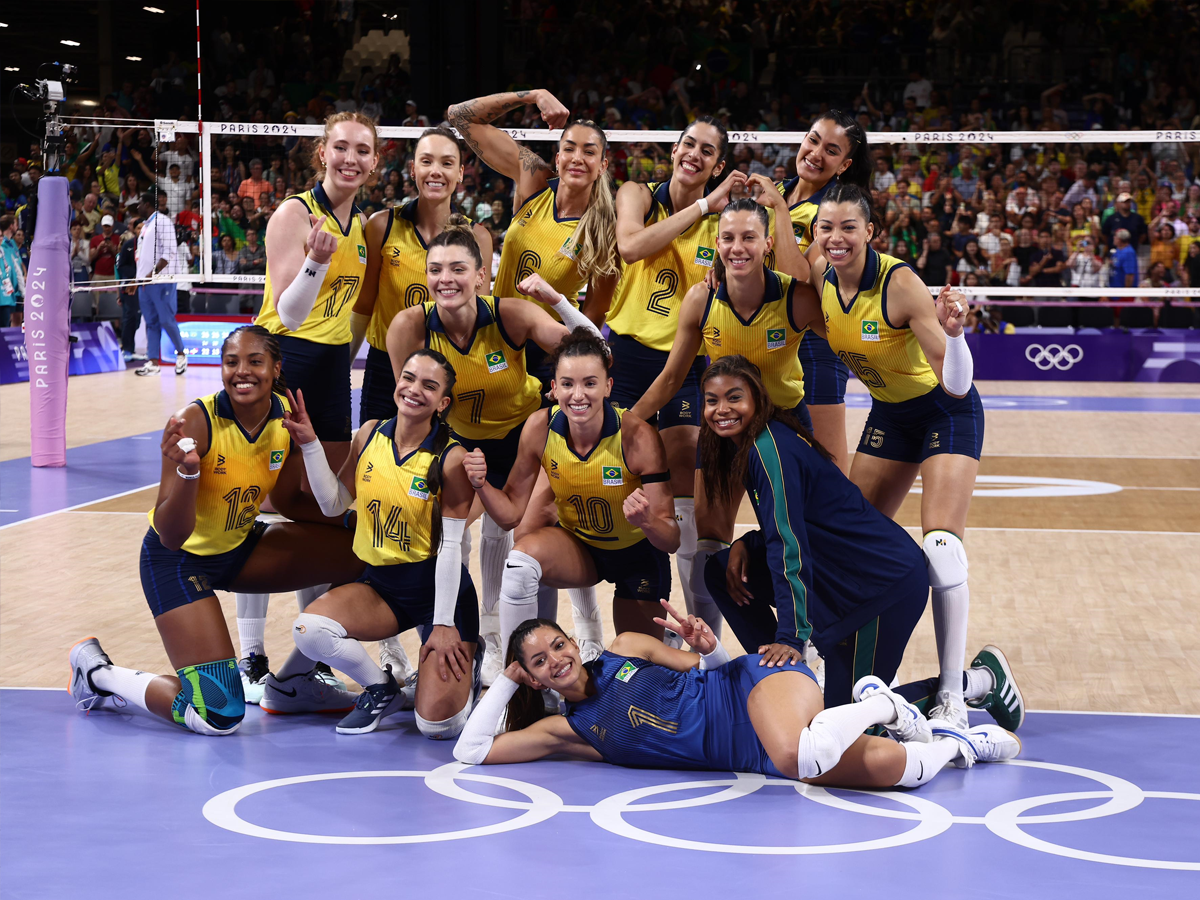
(657,476)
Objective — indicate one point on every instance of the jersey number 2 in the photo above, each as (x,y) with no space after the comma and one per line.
(669,279)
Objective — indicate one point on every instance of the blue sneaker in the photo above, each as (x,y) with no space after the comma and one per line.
(909,724)
(86,657)
(374,703)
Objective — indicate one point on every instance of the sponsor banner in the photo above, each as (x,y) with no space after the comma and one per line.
(96,349)
(1109,356)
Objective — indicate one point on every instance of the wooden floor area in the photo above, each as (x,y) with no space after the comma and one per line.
(1094,597)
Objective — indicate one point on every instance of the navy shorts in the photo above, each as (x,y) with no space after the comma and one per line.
(500,453)
(635,366)
(407,589)
(914,430)
(537,364)
(322,371)
(378,397)
(174,578)
(730,741)
(640,572)
(824,374)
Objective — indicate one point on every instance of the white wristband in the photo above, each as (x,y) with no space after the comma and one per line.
(958,367)
(186,477)
(702,203)
(714,660)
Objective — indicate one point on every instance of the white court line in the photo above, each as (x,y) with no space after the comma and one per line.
(1139,488)
(746,526)
(80,505)
(107,512)
(989,455)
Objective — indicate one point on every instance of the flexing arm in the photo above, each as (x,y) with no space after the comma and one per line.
(404,335)
(497,148)
(507,506)
(688,339)
(527,321)
(652,507)
(175,508)
(788,258)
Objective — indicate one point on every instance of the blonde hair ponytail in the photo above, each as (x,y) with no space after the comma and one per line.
(596,233)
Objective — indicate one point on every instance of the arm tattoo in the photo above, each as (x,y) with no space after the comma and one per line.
(531,162)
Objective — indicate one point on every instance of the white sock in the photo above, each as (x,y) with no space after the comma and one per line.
(926,760)
(547,603)
(494,548)
(831,731)
(307,595)
(128,684)
(980,680)
(325,639)
(685,556)
(252,622)
(296,664)
(588,626)
(950,612)
(702,603)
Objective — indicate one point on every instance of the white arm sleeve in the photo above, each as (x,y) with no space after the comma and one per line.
(331,495)
(447,572)
(475,742)
(572,317)
(958,368)
(358,331)
(714,660)
(296,301)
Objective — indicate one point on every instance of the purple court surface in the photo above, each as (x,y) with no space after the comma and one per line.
(1099,806)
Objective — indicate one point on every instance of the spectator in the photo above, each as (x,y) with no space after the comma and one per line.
(12,271)
(411,118)
(109,174)
(1191,265)
(1158,276)
(936,264)
(102,254)
(990,213)
(252,260)
(225,260)
(1046,263)
(1084,187)
(344,102)
(181,154)
(81,254)
(919,89)
(1086,263)
(1021,202)
(233,172)
(190,219)
(973,261)
(882,178)
(1123,271)
(131,312)
(1192,237)
(1164,249)
(157,249)
(1124,218)
(990,241)
(967,183)
(90,214)
(1005,270)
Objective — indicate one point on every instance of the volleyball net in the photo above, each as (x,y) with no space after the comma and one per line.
(1050,261)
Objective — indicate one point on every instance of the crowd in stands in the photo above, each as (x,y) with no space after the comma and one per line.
(1036,214)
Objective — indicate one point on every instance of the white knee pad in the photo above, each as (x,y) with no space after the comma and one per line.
(820,748)
(522,574)
(489,530)
(946,559)
(196,723)
(317,637)
(446,729)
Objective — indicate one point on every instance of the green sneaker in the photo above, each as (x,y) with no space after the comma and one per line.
(1004,702)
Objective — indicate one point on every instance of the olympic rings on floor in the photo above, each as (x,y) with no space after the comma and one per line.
(1005,821)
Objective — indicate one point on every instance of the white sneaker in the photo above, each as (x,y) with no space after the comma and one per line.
(304,693)
(408,692)
(813,660)
(950,708)
(590,650)
(391,653)
(983,743)
(909,724)
(493,659)
(180,363)
(149,367)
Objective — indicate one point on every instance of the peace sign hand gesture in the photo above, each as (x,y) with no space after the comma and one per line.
(691,628)
(297,422)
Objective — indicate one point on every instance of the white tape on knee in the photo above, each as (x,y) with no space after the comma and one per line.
(446,729)
(946,559)
(196,723)
(317,637)
(819,749)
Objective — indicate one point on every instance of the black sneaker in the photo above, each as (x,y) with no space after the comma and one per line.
(254,670)
(372,706)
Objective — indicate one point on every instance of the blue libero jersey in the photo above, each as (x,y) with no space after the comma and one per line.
(833,557)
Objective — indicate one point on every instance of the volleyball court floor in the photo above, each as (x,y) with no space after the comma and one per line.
(1084,541)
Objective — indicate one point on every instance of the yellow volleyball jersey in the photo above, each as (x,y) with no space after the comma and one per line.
(539,240)
(888,360)
(329,321)
(803,215)
(590,491)
(646,303)
(769,338)
(395,503)
(236,474)
(493,391)
(402,282)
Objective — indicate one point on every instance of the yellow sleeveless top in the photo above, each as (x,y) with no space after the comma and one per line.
(769,339)
(329,321)
(646,303)
(395,504)
(803,215)
(589,491)
(888,360)
(493,391)
(402,282)
(538,240)
(236,474)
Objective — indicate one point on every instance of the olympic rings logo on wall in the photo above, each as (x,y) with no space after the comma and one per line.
(1054,356)
(1007,821)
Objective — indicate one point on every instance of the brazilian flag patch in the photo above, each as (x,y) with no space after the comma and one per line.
(496,362)
(419,488)
(276,460)
(610,476)
(705,256)
(362,254)
(870,330)
(776,338)
(626,672)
